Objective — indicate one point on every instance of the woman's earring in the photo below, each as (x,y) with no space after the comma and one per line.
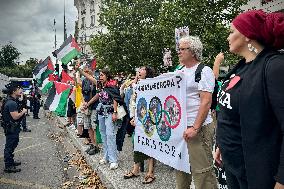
(252,48)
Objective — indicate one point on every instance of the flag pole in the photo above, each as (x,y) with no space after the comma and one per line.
(54,22)
(65,30)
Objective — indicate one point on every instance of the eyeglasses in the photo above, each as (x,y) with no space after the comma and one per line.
(182,49)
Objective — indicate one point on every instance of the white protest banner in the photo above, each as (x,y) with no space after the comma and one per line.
(161,119)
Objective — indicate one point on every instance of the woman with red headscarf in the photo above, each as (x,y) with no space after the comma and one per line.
(251,118)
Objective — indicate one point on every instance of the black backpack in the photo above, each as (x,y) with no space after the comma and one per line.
(216,87)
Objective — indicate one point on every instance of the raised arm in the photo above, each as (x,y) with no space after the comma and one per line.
(88,76)
(216,67)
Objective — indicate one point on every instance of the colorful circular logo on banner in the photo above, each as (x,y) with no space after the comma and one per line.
(148,126)
(172,107)
(141,109)
(157,118)
(164,131)
(155,107)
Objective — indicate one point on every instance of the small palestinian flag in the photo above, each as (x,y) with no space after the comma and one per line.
(93,64)
(66,78)
(68,50)
(42,71)
(46,84)
(72,94)
(57,98)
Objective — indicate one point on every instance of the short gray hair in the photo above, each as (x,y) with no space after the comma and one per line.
(195,45)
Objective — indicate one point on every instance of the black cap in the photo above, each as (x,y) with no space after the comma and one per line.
(11,87)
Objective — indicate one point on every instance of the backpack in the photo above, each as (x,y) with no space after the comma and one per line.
(86,87)
(216,87)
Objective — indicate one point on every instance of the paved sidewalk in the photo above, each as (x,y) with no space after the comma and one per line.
(165,176)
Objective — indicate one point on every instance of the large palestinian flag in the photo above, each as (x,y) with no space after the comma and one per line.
(68,50)
(57,98)
(42,71)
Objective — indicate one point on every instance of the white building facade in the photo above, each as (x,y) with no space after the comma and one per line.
(88,23)
(266,5)
(4,80)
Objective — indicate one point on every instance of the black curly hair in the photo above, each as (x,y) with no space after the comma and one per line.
(150,72)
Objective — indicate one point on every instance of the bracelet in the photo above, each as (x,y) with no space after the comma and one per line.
(196,130)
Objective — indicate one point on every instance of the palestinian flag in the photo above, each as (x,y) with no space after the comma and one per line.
(48,83)
(66,78)
(72,94)
(68,50)
(57,98)
(42,71)
(93,64)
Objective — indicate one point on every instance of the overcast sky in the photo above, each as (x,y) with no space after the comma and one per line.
(28,24)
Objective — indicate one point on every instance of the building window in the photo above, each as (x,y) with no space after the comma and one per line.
(92,8)
(83,23)
(93,20)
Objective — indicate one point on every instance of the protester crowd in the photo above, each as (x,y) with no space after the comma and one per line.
(247,116)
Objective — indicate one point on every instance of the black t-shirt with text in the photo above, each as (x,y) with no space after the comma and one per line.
(230,142)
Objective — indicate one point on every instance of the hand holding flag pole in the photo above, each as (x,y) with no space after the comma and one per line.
(77,65)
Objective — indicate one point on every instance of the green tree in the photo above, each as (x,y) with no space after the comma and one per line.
(9,55)
(138,30)
(28,67)
(20,71)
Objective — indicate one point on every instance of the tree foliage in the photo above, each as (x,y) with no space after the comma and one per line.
(9,55)
(20,71)
(139,30)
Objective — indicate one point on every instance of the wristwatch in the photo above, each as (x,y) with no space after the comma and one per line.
(115,112)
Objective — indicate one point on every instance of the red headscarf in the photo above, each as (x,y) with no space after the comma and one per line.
(111,83)
(266,28)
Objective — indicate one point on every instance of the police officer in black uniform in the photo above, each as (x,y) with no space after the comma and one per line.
(11,117)
(22,103)
(36,106)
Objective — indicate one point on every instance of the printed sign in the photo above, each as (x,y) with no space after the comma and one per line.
(161,119)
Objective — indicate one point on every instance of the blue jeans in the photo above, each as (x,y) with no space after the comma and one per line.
(108,134)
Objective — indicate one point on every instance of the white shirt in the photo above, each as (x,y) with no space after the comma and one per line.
(193,88)
(28,103)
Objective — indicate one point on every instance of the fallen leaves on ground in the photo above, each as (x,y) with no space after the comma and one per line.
(57,137)
(67,185)
(87,178)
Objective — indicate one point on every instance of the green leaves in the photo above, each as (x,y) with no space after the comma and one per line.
(139,30)
(9,55)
